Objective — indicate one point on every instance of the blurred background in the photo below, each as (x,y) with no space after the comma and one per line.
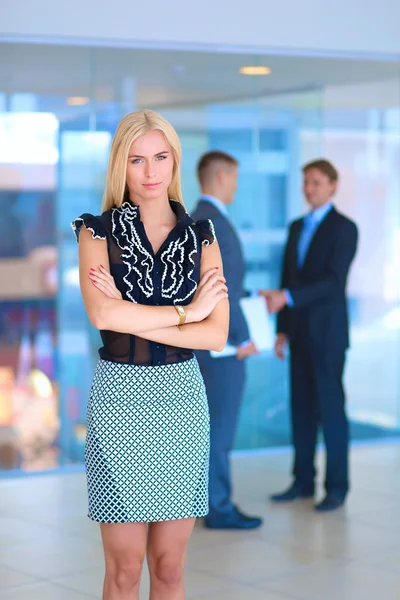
(64,85)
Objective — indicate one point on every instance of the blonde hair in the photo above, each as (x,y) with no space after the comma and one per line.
(130,128)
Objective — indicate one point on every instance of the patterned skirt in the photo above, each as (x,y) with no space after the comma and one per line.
(147,444)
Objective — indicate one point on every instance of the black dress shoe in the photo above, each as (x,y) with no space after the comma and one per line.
(330,502)
(235,520)
(293,493)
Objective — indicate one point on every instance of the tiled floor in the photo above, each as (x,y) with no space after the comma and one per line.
(49,550)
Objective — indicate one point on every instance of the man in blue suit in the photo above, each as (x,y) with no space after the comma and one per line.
(224,377)
(313,319)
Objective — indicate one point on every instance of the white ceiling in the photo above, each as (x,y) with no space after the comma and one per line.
(168,78)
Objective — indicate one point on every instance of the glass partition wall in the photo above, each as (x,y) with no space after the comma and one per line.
(59,107)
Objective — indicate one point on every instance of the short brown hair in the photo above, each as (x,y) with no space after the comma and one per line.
(325,167)
(209,158)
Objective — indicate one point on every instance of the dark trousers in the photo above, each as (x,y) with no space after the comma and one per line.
(224,379)
(317,399)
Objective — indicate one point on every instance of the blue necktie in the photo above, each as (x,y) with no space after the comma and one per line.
(304,240)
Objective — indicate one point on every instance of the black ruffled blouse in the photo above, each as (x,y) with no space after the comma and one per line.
(166,278)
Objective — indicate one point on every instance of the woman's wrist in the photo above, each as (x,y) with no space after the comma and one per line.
(190,314)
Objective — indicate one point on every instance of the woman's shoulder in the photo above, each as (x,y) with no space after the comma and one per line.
(205,231)
(97,224)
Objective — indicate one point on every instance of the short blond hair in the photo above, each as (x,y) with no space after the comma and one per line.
(130,128)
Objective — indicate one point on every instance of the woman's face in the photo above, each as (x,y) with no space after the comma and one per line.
(149,168)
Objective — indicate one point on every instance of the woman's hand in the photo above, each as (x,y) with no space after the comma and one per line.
(211,290)
(105,282)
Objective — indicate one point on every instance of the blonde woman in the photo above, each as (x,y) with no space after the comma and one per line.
(152,283)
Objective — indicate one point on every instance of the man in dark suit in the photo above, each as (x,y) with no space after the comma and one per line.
(224,377)
(313,319)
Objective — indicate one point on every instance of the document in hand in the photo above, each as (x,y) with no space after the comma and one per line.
(260,325)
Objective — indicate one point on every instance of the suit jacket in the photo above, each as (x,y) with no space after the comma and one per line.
(234,268)
(319,316)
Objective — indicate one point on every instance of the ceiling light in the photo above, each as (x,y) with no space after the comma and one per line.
(77,100)
(253,70)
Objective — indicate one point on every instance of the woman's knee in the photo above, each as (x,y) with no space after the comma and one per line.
(168,571)
(124,575)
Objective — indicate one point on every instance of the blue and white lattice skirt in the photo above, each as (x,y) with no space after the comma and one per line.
(147,445)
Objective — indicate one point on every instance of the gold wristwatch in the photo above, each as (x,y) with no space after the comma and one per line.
(182,316)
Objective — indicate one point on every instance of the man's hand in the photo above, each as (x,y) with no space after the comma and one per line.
(280,345)
(276,300)
(246,351)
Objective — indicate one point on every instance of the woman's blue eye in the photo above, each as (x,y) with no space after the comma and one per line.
(137,161)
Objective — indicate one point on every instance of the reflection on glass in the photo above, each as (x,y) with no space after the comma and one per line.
(53,158)
(29,275)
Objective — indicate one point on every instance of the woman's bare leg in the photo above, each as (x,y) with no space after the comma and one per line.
(166,556)
(124,550)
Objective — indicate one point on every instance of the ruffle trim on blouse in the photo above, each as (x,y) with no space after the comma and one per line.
(205,227)
(91,223)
